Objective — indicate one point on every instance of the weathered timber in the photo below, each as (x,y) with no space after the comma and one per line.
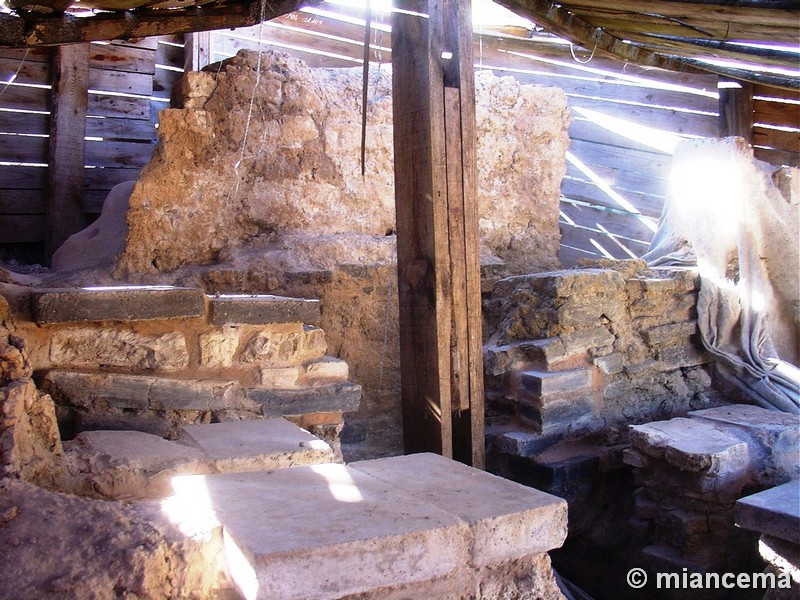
(66,150)
(434,132)
(736,109)
(559,21)
(68,29)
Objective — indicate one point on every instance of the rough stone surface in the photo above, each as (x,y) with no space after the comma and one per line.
(775,511)
(262,309)
(54,546)
(117,303)
(693,446)
(285,348)
(217,348)
(126,465)
(296,170)
(257,445)
(118,347)
(30,444)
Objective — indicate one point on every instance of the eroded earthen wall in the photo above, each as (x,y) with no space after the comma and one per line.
(266,144)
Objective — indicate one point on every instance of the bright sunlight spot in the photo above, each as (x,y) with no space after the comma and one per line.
(340,484)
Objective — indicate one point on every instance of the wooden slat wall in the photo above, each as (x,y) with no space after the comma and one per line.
(616,177)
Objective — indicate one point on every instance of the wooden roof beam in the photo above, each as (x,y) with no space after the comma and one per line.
(573,28)
(32,31)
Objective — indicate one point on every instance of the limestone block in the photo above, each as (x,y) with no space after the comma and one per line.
(775,433)
(257,445)
(611,364)
(522,443)
(217,348)
(507,520)
(775,512)
(670,335)
(121,347)
(280,348)
(583,340)
(327,368)
(560,416)
(693,445)
(126,465)
(280,377)
(686,355)
(280,523)
(548,386)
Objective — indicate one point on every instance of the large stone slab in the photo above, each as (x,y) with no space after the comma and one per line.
(776,433)
(258,444)
(120,303)
(335,397)
(129,464)
(775,511)
(692,445)
(507,520)
(327,531)
(262,309)
(552,385)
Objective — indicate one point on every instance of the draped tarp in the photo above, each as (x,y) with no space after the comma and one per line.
(725,217)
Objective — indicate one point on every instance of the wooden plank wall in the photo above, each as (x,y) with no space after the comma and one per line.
(625,119)
(128,83)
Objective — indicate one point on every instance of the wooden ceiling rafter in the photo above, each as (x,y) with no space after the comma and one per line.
(30,30)
(602,35)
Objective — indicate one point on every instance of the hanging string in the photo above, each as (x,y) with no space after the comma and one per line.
(13,78)
(576,59)
(236,165)
(365,89)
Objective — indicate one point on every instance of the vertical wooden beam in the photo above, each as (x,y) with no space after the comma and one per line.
(70,94)
(735,108)
(197,50)
(437,229)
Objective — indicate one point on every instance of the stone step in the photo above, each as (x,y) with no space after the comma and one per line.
(134,464)
(247,309)
(556,401)
(328,531)
(97,392)
(118,303)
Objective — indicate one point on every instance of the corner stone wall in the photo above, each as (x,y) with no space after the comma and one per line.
(574,352)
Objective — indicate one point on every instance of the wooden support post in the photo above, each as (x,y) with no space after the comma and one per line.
(437,229)
(735,108)
(70,94)
(197,50)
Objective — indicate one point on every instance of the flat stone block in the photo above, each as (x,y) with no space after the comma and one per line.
(669,335)
(692,445)
(122,303)
(143,392)
(583,340)
(262,309)
(131,464)
(777,433)
(559,416)
(507,520)
(335,397)
(327,531)
(285,348)
(552,385)
(523,443)
(259,444)
(327,368)
(775,512)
